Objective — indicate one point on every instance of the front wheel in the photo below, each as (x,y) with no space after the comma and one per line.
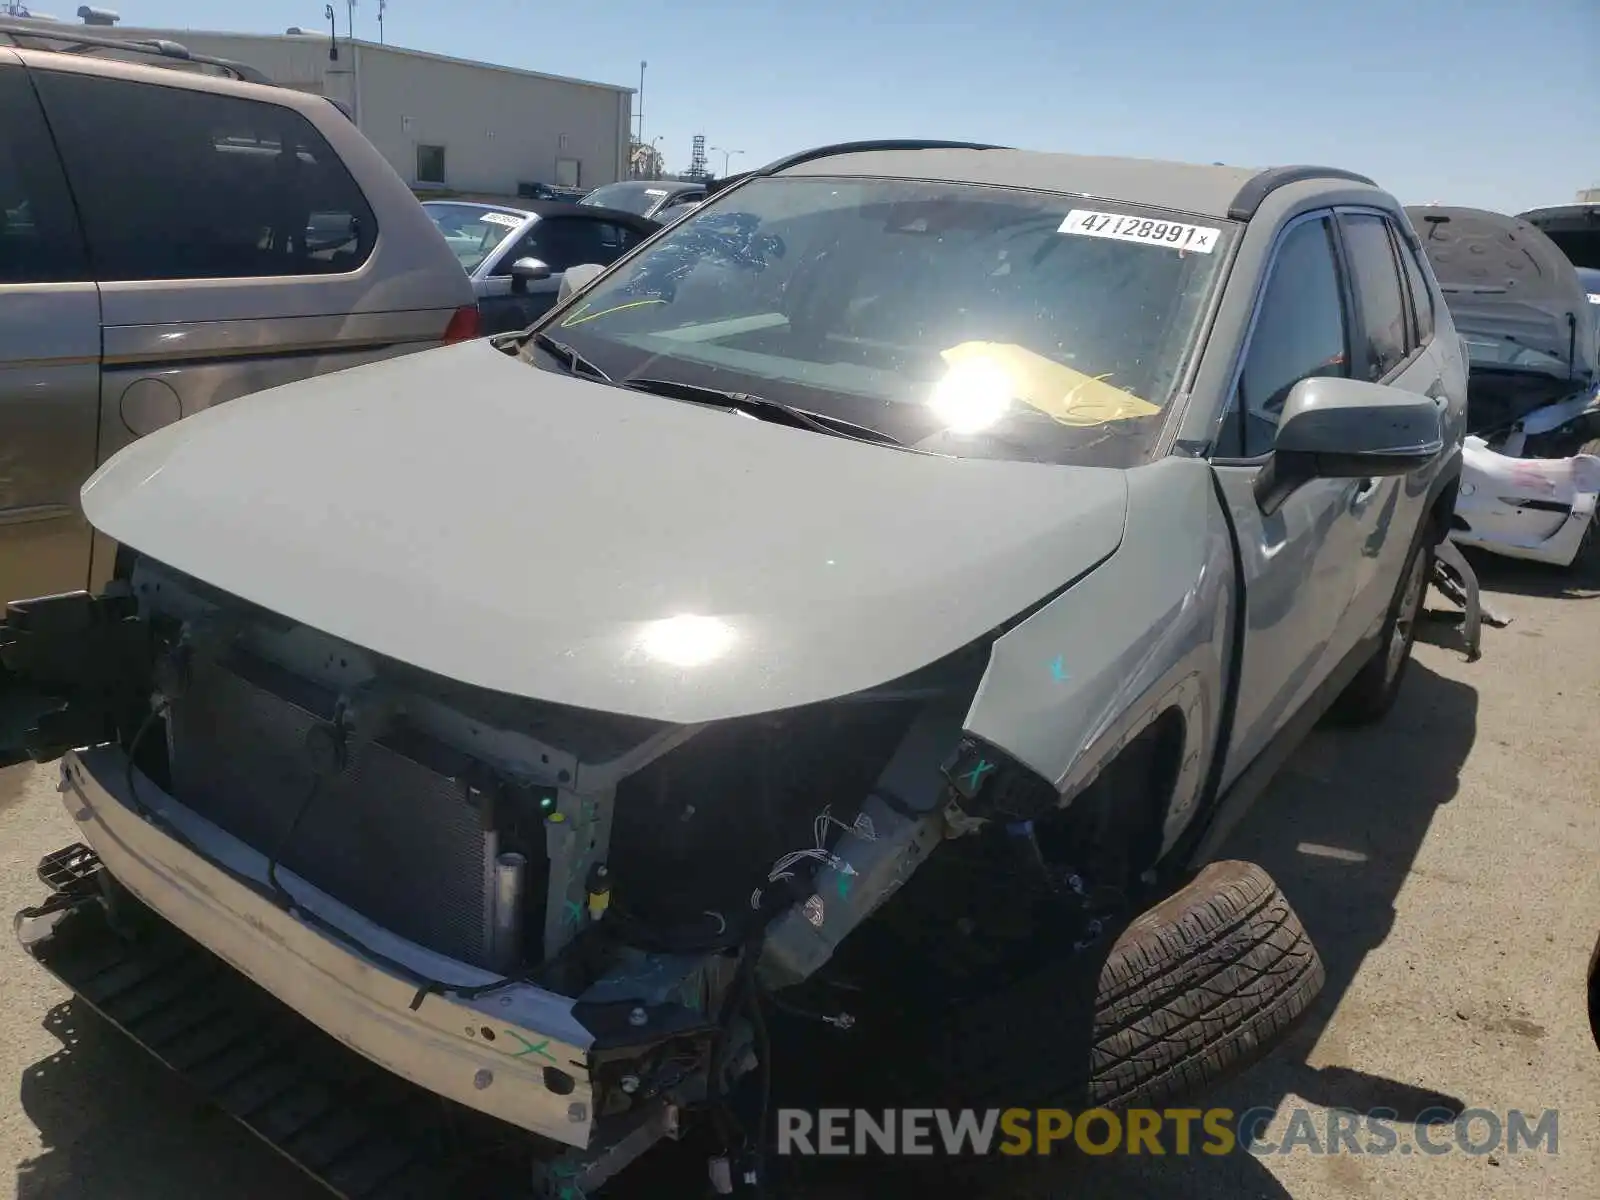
(1372,693)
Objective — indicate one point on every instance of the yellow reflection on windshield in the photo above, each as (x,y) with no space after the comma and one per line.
(582,314)
(985,376)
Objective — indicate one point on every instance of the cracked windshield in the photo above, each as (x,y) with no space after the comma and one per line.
(953,318)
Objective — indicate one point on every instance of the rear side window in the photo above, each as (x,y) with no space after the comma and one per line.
(1299,334)
(1377,286)
(39,239)
(1417,283)
(180,184)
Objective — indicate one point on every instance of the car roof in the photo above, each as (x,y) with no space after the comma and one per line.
(649,185)
(1585,211)
(571,208)
(510,210)
(177,73)
(541,208)
(80,40)
(1215,190)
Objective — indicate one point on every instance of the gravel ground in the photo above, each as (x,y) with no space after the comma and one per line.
(1445,864)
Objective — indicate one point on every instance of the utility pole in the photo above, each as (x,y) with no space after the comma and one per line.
(726,155)
(382,5)
(350,20)
(642,66)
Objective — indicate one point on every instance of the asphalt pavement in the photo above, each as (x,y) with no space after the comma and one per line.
(1445,863)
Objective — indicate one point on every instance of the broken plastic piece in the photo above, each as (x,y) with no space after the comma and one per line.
(1456,579)
(1531,508)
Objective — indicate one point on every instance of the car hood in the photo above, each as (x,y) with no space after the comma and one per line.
(556,538)
(1575,228)
(1504,279)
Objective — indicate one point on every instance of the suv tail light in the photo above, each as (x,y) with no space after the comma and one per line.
(464,325)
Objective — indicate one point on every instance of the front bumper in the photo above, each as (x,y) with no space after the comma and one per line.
(517,1054)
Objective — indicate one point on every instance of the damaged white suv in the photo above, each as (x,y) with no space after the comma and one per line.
(881,584)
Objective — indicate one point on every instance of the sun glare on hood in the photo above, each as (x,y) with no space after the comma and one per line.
(686,641)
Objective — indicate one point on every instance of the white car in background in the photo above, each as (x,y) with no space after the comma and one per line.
(1530,479)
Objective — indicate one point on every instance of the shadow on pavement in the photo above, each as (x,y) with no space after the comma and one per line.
(1516,577)
(115,1123)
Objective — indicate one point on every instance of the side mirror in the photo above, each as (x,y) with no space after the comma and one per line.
(575,278)
(528,270)
(1346,429)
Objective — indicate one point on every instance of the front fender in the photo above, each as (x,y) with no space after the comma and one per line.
(1147,632)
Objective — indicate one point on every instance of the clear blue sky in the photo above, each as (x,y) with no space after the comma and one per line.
(1491,103)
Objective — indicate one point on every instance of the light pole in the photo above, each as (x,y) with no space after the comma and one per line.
(726,155)
(642,65)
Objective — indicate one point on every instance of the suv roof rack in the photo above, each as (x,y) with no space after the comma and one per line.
(85,43)
(805,156)
(1259,186)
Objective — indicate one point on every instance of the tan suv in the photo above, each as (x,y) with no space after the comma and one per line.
(170,239)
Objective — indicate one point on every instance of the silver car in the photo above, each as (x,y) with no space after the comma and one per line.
(874,591)
(171,239)
(516,256)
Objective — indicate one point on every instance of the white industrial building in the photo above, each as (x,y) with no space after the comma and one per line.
(446,124)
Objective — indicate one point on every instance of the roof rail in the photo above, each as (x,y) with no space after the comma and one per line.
(1259,186)
(84,43)
(805,156)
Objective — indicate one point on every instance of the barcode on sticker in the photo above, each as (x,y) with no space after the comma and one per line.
(500,219)
(1173,234)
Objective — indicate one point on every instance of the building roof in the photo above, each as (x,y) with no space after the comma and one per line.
(1214,191)
(178,35)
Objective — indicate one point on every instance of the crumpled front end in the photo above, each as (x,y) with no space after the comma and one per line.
(1539,509)
(549,915)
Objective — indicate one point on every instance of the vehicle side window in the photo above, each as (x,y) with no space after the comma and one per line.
(564,242)
(631,237)
(1299,334)
(1417,284)
(1377,287)
(39,238)
(179,184)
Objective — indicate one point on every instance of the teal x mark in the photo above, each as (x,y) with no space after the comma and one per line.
(574,912)
(529,1048)
(844,887)
(978,772)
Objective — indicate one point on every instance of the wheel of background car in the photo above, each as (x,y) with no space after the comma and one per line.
(1372,693)
(1594,993)
(1146,1027)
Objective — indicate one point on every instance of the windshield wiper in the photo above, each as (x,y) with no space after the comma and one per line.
(766,410)
(574,361)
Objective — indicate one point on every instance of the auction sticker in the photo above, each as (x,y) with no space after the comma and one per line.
(494,218)
(1173,234)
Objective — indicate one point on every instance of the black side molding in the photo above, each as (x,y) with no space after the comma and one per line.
(1260,186)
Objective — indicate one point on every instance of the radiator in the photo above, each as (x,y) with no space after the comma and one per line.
(398,835)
